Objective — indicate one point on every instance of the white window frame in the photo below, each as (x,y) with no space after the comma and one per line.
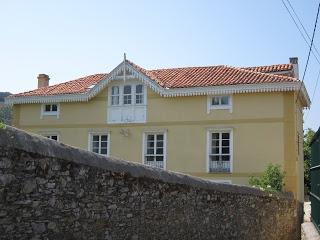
(144,147)
(115,95)
(139,94)
(208,149)
(211,107)
(50,113)
(90,138)
(133,94)
(135,109)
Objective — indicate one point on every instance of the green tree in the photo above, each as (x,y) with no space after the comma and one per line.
(6,114)
(271,180)
(308,136)
(3,95)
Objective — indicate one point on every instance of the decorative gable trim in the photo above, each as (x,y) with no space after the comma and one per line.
(164,92)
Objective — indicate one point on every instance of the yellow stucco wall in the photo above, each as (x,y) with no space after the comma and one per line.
(264,125)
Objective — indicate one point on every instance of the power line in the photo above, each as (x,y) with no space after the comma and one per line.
(313,46)
(300,31)
(304,29)
(310,48)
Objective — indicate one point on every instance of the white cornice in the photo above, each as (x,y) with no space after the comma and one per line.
(172,92)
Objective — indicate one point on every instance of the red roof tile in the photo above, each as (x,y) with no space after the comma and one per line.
(271,68)
(178,78)
(81,85)
(212,76)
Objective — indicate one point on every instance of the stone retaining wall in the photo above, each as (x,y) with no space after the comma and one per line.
(52,191)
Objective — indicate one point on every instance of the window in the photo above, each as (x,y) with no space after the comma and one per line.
(53,137)
(99,143)
(139,94)
(127,96)
(50,110)
(220,150)
(115,95)
(154,149)
(219,102)
(127,102)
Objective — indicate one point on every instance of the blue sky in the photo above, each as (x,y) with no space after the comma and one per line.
(70,39)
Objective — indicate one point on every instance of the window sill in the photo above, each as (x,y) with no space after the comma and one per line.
(228,173)
(50,114)
(228,108)
(220,107)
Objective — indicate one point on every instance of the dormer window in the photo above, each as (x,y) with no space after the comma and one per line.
(52,109)
(127,96)
(115,95)
(219,102)
(127,103)
(139,94)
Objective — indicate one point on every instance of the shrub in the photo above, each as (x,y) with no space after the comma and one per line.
(271,180)
(307,158)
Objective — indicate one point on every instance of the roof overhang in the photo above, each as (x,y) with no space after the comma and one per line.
(165,92)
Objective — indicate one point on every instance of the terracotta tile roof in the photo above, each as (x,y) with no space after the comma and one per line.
(178,78)
(212,76)
(81,85)
(271,68)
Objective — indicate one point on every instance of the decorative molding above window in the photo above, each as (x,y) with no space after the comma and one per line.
(219,102)
(52,109)
(127,102)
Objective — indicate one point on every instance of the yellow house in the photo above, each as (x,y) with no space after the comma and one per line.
(219,122)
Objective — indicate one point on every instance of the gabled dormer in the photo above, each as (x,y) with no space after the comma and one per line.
(127,101)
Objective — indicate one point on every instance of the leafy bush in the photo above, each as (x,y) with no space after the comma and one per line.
(271,180)
(307,158)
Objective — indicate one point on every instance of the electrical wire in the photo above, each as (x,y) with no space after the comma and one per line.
(300,31)
(304,29)
(310,48)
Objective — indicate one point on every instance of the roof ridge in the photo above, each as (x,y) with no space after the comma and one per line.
(263,73)
(269,65)
(272,65)
(178,68)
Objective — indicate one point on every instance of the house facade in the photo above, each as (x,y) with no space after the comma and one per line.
(220,123)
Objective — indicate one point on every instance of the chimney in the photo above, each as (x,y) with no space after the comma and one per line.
(43,80)
(294,62)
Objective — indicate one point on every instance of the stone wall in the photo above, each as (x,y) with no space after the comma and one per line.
(52,191)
